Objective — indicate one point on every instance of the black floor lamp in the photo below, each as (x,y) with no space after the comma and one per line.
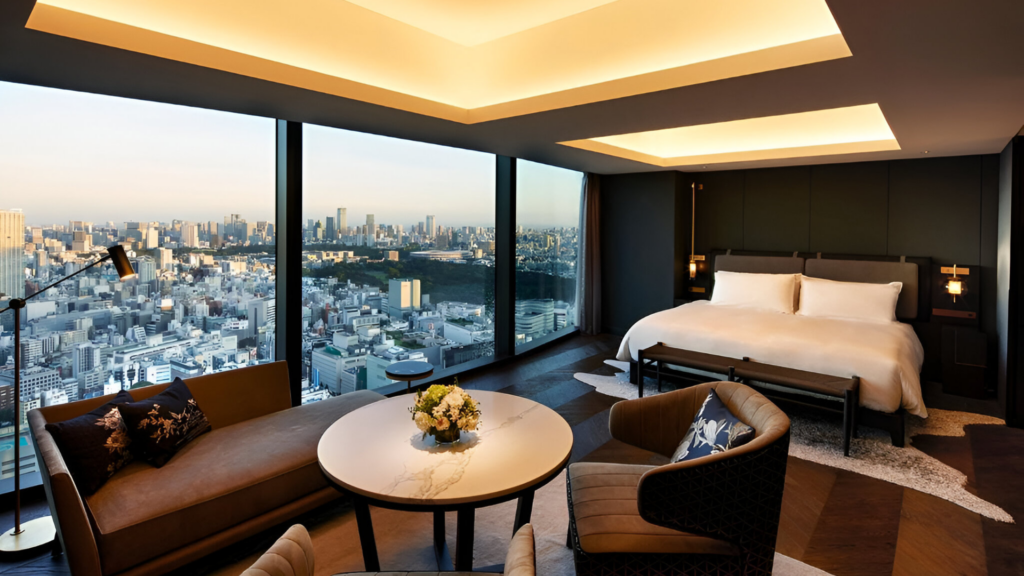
(41,531)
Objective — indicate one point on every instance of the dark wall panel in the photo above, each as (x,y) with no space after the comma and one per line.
(638,239)
(849,208)
(776,209)
(935,209)
(720,211)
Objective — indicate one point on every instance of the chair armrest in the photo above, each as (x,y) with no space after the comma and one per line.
(734,495)
(656,423)
(69,514)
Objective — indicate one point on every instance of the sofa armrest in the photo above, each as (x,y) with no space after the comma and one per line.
(69,514)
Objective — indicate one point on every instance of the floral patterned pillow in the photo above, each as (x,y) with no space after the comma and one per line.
(94,445)
(163,424)
(714,430)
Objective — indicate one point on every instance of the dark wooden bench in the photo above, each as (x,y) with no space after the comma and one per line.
(845,389)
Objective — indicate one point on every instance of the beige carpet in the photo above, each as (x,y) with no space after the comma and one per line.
(403,540)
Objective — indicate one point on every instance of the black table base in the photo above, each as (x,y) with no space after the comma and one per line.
(465,527)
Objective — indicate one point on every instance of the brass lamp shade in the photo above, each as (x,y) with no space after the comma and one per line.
(121,262)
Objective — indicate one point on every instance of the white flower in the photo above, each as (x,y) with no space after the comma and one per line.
(441,424)
(423,421)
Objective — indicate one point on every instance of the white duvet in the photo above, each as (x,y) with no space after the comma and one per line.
(887,356)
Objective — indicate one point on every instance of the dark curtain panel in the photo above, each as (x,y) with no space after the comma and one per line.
(588,274)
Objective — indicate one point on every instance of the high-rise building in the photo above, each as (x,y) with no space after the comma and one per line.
(165,258)
(431,227)
(332,233)
(86,359)
(342,221)
(12,251)
(403,296)
(190,235)
(371,230)
(146,269)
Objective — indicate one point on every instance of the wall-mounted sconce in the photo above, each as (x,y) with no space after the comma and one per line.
(955,284)
(693,229)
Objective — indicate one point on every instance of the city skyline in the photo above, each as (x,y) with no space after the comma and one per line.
(209,163)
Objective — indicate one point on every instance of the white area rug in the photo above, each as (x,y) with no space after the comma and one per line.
(872,454)
(403,540)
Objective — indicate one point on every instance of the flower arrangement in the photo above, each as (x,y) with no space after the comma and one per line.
(444,411)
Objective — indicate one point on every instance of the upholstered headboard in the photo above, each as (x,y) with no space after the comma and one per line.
(872,273)
(845,269)
(759,264)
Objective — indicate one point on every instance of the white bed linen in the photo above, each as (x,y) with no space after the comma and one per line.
(886,356)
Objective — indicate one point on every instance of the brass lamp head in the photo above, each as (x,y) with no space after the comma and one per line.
(121,262)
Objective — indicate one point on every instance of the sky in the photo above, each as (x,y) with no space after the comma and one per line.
(76,156)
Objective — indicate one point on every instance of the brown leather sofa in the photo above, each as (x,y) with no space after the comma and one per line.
(255,469)
(718,514)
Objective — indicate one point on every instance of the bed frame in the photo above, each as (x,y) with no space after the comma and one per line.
(913,304)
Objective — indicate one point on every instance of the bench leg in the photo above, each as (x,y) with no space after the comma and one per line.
(658,365)
(849,411)
(640,373)
(899,433)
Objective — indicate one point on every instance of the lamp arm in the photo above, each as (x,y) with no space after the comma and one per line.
(58,282)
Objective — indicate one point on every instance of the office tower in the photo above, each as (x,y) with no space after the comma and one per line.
(165,258)
(431,230)
(190,235)
(12,250)
(86,359)
(151,238)
(211,229)
(42,261)
(249,230)
(81,241)
(403,296)
(371,231)
(331,232)
(342,221)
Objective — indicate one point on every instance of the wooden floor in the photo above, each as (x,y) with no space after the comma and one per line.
(839,521)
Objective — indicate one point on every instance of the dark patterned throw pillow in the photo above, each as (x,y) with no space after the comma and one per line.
(164,423)
(94,445)
(714,430)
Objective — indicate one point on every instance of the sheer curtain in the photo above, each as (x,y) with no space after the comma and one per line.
(588,274)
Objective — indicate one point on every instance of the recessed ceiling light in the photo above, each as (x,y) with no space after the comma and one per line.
(817,133)
(464,60)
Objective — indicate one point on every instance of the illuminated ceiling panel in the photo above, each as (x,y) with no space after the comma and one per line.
(528,55)
(472,22)
(818,133)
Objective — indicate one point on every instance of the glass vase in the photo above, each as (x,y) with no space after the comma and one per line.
(447,436)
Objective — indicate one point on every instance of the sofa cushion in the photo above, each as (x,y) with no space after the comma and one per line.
(95,445)
(225,477)
(163,424)
(607,519)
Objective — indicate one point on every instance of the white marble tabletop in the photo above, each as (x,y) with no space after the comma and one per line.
(378,452)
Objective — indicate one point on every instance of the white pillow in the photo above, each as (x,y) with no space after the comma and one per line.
(854,300)
(773,292)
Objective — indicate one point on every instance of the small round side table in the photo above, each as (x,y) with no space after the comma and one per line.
(409,370)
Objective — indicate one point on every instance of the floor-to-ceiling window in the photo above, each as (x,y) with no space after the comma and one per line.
(188,192)
(398,258)
(547,240)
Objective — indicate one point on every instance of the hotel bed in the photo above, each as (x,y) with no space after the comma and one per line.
(887,356)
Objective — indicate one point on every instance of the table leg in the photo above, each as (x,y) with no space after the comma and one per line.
(366,540)
(464,540)
(441,554)
(849,409)
(524,509)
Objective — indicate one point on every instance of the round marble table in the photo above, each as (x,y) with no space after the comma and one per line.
(409,370)
(378,456)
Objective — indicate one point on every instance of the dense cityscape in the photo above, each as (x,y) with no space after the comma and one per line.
(203,301)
